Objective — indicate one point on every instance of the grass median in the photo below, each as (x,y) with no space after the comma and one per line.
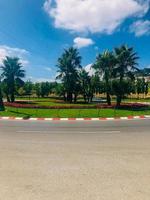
(71,113)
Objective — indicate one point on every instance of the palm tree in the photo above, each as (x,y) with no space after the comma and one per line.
(12,74)
(104,65)
(68,65)
(126,62)
(126,65)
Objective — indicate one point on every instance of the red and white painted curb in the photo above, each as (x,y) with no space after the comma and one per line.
(77,119)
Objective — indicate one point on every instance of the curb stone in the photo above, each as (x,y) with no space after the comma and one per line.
(77,119)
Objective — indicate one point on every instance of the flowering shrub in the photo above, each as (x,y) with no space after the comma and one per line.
(98,106)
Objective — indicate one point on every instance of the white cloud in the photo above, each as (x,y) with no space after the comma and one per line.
(41,79)
(49,69)
(81,42)
(47,5)
(102,16)
(12,52)
(88,68)
(140,28)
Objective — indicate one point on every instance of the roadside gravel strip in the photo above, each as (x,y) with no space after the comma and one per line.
(77,119)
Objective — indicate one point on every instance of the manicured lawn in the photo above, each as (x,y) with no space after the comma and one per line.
(59,102)
(46,103)
(53,102)
(71,113)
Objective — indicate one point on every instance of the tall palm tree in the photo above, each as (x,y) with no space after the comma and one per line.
(68,65)
(126,65)
(104,65)
(126,62)
(12,74)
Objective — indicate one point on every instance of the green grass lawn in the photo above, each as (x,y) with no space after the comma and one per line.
(71,113)
(59,102)
(54,102)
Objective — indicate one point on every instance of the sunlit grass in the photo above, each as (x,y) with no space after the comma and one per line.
(71,113)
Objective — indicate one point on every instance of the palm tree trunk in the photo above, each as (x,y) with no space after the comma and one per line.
(108,93)
(12,97)
(119,98)
(12,92)
(69,97)
(84,96)
(64,97)
(2,108)
(8,99)
(91,99)
(108,98)
(75,98)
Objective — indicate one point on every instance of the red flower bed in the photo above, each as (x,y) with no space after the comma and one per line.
(98,106)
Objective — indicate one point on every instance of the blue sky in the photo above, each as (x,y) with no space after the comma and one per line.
(38,30)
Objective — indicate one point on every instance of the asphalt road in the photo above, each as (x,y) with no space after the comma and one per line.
(107,160)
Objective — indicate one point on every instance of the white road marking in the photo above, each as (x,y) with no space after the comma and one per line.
(32,131)
(102,131)
(91,132)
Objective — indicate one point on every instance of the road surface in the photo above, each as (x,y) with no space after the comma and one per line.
(107,160)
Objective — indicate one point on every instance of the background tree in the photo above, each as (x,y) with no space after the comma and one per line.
(88,85)
(146,88)
(28,88)
(141,86)
(104,66)
(52,87)
(60,91)
(37,89)
(45,89)
(68,65)
(143,72)
(20,92)
(12,74)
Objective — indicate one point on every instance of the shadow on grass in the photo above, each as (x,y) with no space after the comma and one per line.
(25,115)
(26,102)
(146,108)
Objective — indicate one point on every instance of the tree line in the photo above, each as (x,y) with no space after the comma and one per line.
(115,73)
